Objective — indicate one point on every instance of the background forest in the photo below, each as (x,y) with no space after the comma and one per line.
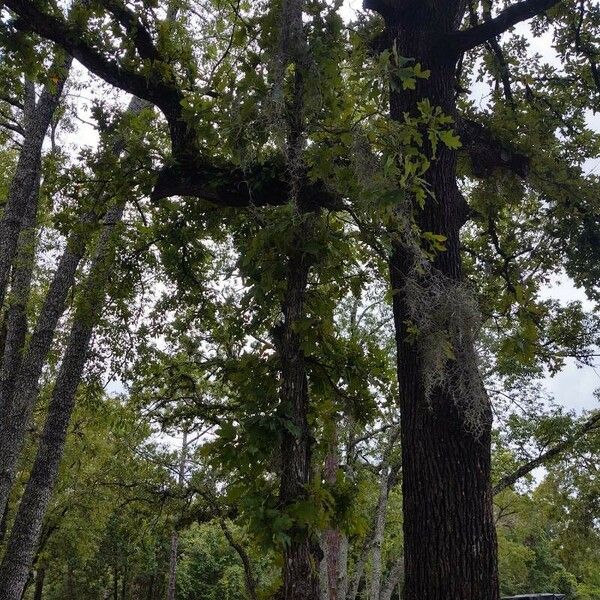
(158,319)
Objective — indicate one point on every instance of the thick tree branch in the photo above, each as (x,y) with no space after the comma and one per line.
(32,19)
(508,480)
(462,41)
(138,33)
(488,153)
(230,186)
(384,7)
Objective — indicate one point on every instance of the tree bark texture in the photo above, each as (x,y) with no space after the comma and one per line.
(27,173)
(333,539)
(301,563)
(26,530)
(171,587)
(18,404)
(449,535)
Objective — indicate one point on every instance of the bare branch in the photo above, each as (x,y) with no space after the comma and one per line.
(468,39)
(508,480)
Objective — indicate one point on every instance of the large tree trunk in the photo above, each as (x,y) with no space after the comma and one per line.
(26,530)
(449,536)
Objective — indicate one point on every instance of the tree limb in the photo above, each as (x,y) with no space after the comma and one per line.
(230,186)
(138,33)
(468,39)
(555,450)
(487,152)
(241,551)
(56,29)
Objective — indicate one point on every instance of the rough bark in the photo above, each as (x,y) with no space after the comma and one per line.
(302,556)
(27,172)
(22,269)
(378,533)
(331,538)
(27,528)
(359,570)
(16,314)
(300,571)
(18,406)
(393,579)
(449,536)
(373,543)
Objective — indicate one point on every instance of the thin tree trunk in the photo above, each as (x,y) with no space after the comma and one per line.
(333,539)
(171,587)
(26,530)
(249,577)
(449,535)
(15,326)
(19,405)
(393,579)
(378,533)
(359,569)
(386,479)
(28,170)
(19,222)
(115,584)
(16,314)
(40,577)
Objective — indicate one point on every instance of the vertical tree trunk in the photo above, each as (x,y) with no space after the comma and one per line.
(302,556)
(22,394)
(171,587)
(335,543)
(27,172)
(378,533)
(16,314)
(301,560)
(40,577)
(449,536)
(26,530)
(17,407)
(22,269)
(393,579)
